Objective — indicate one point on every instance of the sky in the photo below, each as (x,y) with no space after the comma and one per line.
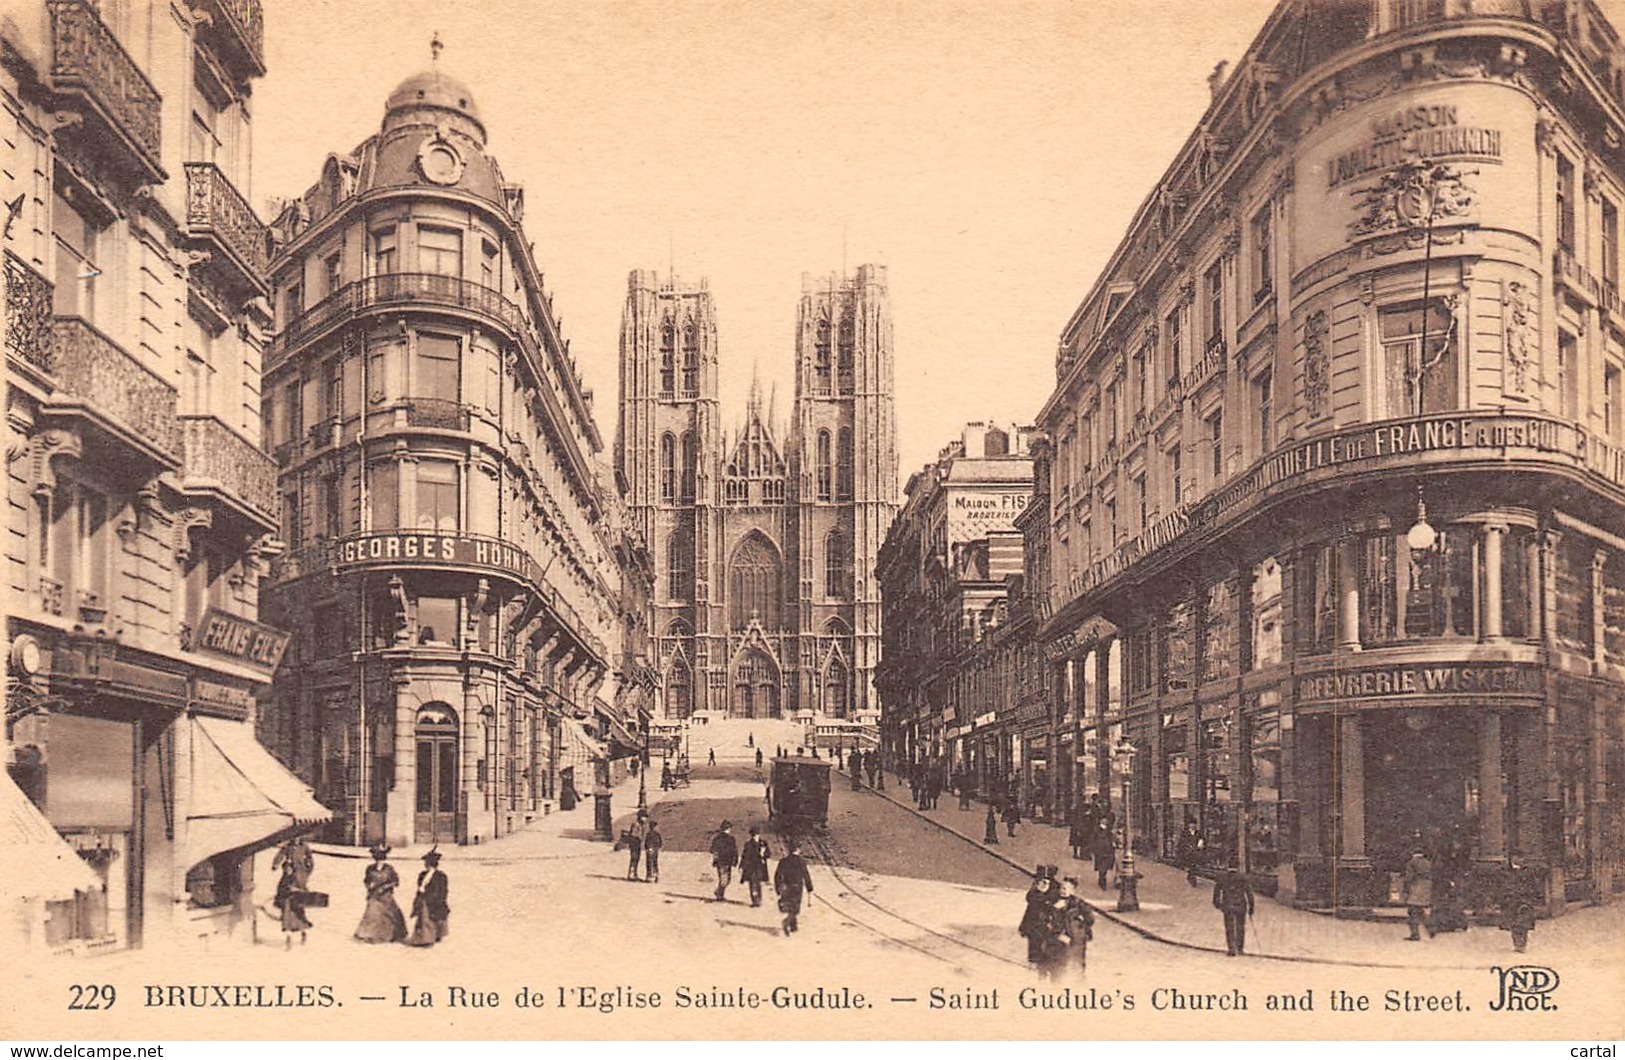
(989,154)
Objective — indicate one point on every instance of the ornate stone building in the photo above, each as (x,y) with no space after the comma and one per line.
(1336,478)
(141,509)
(764,541)
(454,575)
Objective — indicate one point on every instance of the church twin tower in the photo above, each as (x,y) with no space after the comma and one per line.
(764,542)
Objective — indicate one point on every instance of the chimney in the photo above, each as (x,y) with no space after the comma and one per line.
(1215,80)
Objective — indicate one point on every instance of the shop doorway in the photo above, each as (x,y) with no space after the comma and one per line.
(436,732)
(1421,778)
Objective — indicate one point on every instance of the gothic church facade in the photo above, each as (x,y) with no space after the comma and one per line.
(764,537)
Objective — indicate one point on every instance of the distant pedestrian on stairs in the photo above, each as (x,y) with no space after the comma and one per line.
(711,757)
(990,833)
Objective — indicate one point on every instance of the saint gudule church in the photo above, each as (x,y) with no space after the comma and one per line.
(763,536)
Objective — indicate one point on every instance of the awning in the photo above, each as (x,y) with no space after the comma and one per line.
(579,747)
(240,796)
(44,866)
(622,742)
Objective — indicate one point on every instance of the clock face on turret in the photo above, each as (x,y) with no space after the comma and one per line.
(439,161)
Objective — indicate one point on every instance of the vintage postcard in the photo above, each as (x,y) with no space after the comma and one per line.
(834,520)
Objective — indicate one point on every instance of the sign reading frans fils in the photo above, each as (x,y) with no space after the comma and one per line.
(240,640)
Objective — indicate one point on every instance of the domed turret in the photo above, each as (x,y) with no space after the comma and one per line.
(432,90)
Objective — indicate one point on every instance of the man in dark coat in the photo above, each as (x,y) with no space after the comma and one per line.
(855,765)
(1068,927)
(1103,847)
(791,880)
(1233,896)
(753,864)
(430,912)
(1520,890)
(724,856)
(653,844)
(1188,851)
(990,828)
(1033,920)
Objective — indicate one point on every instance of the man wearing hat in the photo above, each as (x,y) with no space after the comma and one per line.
(1039,895)
(1233,897)
(791,880)
(382,920)
(1417,886)
(753,864)
(724,856)
(429,908)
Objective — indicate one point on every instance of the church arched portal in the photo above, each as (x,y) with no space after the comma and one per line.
(754,690)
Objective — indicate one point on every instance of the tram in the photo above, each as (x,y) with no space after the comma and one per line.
(798,795)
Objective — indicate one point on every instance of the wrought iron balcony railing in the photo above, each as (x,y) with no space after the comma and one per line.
(93,368)
(217,212)
(218,457)
(241,25)
(87,60)
(28,313)
(436,413)
(403,290)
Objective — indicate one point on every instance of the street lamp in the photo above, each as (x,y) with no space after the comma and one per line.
(643,772)
(1419,194)
(1128,881)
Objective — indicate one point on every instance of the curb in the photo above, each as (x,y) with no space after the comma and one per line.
(1144,932)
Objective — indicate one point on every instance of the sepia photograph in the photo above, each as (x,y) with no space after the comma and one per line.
(829,521)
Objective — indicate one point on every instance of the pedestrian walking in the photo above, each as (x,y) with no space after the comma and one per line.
(1034,920)
(430,913)
(1417,890)
(1103,847)
(653,844)
(750,740)
(791,880)
(724,856)
(1069,924)
(711,757)
(855,764)
(758,758)
(665,776)
(1012,817)
(753,864)
(1233,896)
(990,829)
(382,920)
(296,853)
(1520,889)
(292,898)
(632,842)
(962,783)
(1077,835)
(1449,911)
(1188,852)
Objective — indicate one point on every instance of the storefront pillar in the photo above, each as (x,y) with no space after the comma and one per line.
(1351,770)
(1494,536)
(1348,596)
(1491,811)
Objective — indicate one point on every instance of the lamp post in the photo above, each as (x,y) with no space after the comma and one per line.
(1417,202)
(1128,881)
(643,772)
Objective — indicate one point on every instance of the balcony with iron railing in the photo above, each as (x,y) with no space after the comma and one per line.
(218,216)
(436,414)
(125,110)
(97,377)
(239,25)
(220,462)
(402,290)
(28,313)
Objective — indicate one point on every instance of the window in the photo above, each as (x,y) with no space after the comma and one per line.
(204,143)
(79,553)
(385,245)
(1441,597)
(668,360)
(76,271)
(1568,375)
(1176,489)
(822,466)
(436,371)
(1574,627)
(835,564)
(332,273)
(1176,347)
(333,506)
(293,301)
(1264,639)
(844,355)
(668,468)
(1518,600)
(1215,301)
(1178,652)
(1405,361)
(753,584)
(1263,259)
(1379,603)
(1139,380)
(1610,244)
(1611,422)
(440,250)
(488,265)
(1111,414)
(689,459)
(383,495)
(293,525)
(679,565)
(843,465)
(437,496)
(691,359)
(1111,522)
(1141,501)
(1264,409)
(384,362)
(437,620)
(821,357)
(1565,203)
(1315,621)
(1215,439)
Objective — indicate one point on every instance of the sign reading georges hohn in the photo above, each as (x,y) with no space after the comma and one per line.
(407,547)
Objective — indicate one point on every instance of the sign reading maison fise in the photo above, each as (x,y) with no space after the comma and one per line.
(1486,435)
(1447,679)
(1432,131)
(239,639)
(412,548)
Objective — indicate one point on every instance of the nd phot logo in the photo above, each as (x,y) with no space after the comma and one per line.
(1525,988)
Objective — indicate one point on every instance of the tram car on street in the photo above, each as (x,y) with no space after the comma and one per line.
(798,795)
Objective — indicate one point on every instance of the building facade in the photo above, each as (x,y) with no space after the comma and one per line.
(451,575)
(764,541)
(1335,480)
(141,509)
(950,564)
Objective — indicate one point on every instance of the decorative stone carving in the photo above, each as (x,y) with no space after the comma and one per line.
(186,521)
(45,447)
(1518,310)
(1546,131)
(1413,196)
(1317,373)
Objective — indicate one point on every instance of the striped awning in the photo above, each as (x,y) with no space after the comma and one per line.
(238,795)
(578,747)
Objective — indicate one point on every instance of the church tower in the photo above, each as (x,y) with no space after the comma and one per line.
(667,452)
(844,454)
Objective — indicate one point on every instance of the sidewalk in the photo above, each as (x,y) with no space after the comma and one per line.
(1174,912)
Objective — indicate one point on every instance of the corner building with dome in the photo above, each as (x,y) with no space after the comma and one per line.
(1334,561)
(457,555)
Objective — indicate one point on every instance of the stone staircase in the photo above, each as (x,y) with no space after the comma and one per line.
(738,738)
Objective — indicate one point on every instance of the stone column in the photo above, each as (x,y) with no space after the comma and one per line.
(1348,595)
(1494,535)
(1491,812)
(1351,783)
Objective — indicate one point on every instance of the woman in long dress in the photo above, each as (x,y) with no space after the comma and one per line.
(291,896)
(382,921)
(430,912)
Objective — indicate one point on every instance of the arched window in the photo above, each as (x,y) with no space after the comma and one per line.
(668,468)
(691,359)
(679,565)
(843,465)
(754,584)
(837,689)
(688,465)
(821,357)
(822,466)
(668,359)
(844,355)
(835,565)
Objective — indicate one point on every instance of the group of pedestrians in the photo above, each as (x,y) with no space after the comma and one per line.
(381,920)
(1057,924)
(861,765)
(792,881)
(643,844)
(1434,901)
